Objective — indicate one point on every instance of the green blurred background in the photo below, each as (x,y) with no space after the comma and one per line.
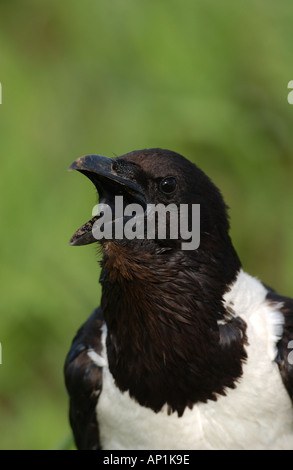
(207,79)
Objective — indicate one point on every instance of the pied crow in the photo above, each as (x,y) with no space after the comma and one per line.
(186,350)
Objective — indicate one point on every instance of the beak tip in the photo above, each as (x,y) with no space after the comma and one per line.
(91,163)
(72,241)
(75,165)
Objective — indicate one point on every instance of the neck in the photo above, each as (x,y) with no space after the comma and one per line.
(163,310)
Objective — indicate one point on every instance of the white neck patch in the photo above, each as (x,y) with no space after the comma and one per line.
(247,298)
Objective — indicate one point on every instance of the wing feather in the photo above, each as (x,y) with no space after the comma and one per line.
(285,344)
(83,378)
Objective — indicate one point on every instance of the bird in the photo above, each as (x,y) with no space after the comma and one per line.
(186,349)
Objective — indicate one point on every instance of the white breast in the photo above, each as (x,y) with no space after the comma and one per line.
(257,414)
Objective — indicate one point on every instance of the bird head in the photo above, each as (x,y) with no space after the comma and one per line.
(148,179)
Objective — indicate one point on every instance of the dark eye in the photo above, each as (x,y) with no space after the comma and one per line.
(168,185)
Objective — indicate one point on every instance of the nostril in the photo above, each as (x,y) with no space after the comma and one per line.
(115,166)
(125,169)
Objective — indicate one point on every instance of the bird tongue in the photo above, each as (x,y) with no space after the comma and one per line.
(84,235)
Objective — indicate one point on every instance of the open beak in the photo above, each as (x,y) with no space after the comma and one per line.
(99,170)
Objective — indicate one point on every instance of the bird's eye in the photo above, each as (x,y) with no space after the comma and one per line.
(168,185)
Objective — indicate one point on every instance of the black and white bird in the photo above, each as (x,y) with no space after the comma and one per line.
(186,350)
